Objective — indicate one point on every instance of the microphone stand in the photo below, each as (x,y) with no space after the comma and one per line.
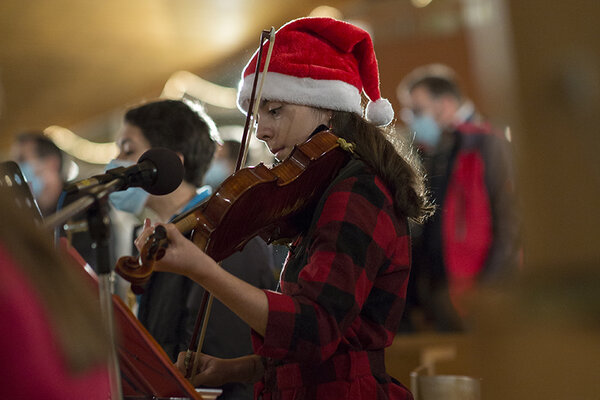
(95,201)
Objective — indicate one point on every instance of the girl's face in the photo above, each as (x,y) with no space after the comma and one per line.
(283,125)
(132,143)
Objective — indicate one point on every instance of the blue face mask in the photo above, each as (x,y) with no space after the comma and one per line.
(217,173)
(131,200)
(427,131)
(35,183)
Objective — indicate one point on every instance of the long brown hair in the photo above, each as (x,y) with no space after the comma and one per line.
(72,308)
(392,160)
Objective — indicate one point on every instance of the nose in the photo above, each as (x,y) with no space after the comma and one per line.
(262,133)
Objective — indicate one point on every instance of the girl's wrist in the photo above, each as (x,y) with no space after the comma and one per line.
(258,369)
(250,369)
(201,267)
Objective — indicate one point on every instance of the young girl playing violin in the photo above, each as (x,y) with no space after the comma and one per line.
(342,289)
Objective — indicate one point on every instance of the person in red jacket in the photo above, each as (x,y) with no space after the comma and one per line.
(322,334)
(473,236)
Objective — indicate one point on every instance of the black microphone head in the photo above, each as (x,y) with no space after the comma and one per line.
(169,170)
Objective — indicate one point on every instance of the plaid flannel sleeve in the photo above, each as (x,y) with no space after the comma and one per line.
(356,238)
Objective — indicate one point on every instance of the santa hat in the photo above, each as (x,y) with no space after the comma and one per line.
(320,62)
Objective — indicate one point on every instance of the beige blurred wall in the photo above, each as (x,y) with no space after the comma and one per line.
(557,56)
(540,338)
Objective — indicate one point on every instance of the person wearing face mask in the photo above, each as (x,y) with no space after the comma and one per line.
(169,304)
(133,200)
(473,236)
(176,126)
(41,163)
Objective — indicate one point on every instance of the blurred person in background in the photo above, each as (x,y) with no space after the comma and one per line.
(41,162)
(54,343)
(169,305)
(170,124)
(223,163)
(473,236)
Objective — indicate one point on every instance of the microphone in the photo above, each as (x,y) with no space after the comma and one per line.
(158,171)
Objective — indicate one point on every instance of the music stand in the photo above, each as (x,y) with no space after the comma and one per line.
(12,178)
(146,370)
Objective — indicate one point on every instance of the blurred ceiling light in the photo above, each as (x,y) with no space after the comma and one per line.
(72,170)
(230,30)
(420,3)
(478,12)
(508,134)
(326,11)
(80,148)
(184,82)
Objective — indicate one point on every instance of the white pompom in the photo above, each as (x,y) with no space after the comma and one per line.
(380,112)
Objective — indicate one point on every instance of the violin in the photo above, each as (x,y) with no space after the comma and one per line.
(254,201)
(272,203)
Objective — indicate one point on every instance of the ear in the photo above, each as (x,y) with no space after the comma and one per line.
(327,118)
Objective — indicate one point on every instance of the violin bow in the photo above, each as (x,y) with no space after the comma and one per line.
(249,128)
(251,121)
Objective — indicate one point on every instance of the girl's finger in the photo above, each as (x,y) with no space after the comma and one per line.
(147,231)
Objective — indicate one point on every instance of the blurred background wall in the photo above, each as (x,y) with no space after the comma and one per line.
(76,63)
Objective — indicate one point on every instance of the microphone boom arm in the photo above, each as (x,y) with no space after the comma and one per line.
(90,197)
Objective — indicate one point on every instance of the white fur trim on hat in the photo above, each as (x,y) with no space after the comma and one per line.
(329,94)
(380,112)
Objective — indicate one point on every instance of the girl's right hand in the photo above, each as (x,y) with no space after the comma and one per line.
(211,371)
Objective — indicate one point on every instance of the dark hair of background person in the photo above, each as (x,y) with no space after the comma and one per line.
(44,145)
(394,163)
(437,86)
(180,127)
(72,305)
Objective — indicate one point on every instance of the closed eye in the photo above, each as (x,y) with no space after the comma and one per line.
(275,111)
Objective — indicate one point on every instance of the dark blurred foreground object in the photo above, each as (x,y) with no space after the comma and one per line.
(146,370)
(54,342)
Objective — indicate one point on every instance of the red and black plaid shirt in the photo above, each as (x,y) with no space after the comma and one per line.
(342,294)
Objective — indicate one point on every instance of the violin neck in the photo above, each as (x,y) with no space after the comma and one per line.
(186,223)
(187,216)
